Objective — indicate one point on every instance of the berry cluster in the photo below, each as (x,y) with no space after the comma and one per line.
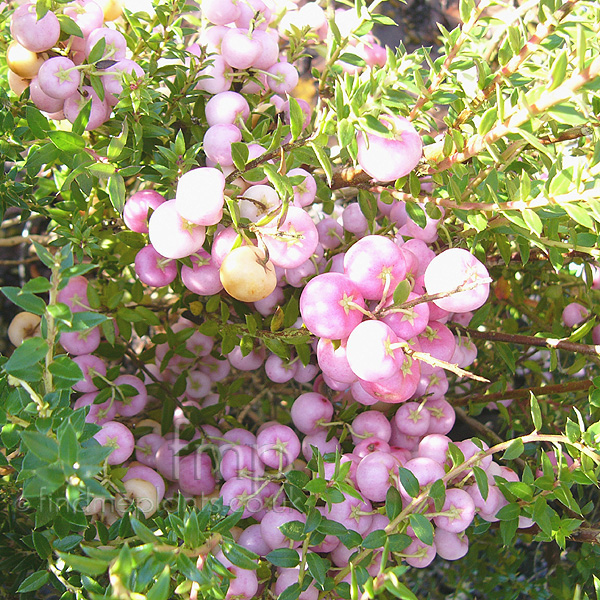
(374,295)
(70,57)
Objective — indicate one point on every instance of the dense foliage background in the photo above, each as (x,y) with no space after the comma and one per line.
(507,107)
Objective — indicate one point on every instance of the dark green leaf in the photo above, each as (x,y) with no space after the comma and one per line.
(41,445)
(422,527)
(409,482)
(317,567)
(34,582)
(536,413)
(375,539)
(284,557)
(24,300)
(482,481)
(393,503)
(240,556)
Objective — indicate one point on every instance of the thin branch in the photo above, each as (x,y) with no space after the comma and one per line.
(465,287)
(542,390)
(21,239)
(542,31)
(269,156)
(530,340)
(445,68)
(520,117)
(482,430)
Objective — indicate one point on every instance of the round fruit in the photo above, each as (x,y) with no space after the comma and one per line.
(247,275)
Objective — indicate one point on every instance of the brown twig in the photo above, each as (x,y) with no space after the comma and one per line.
(483,430)
(530,340)
(542,390)
(21,239)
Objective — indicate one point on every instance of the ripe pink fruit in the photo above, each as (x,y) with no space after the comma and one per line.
(99,112)
(58,78)
(119,437)
(574,314)
(373,260)
(135,211)
(453,268)
(292,242)
(330,306)
(199,197)
(33,34)
(387,159)
(173,236)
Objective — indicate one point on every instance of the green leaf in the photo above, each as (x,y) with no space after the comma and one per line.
(68,446)
(578,214)
(42,545)
(508,529)
(536,413)
(34,582)
(87,320)
(283,557)
(409,482)
(466,9)
(313,520)
(116,192)
(509,512)
(438,493)
(41,445)
(43,254)
(101,169)
(143,532)
(417,214)
(160,590)
(542,515)
(482,481)
(566,114)
(558,71)
(83,564)
(25,300)
(323,161)
(402,291)
(515,450)
(66,372)
(487,121)
(67,141)
(30,352)
(117,144)
(39,285)
(291,593)
(393,503)
(422,527)
(68,26)
(353,59)
(375,539)
(293,530)
(317,567)
(239,154)
(38,124)
(368,204)
(533,221)
(97,51)
(296,118)
(507,355)
(240,556)
(316,486)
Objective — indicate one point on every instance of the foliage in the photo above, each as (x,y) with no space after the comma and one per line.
(511,155)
